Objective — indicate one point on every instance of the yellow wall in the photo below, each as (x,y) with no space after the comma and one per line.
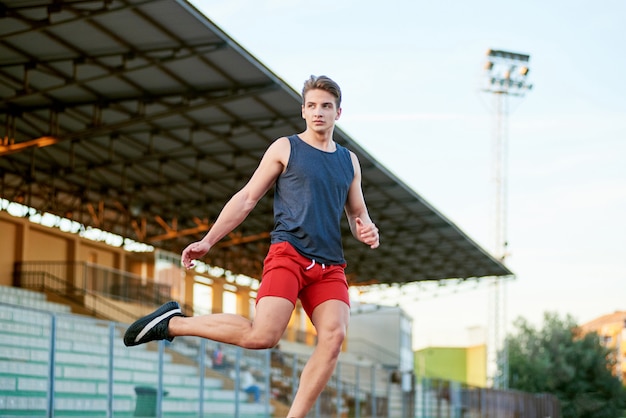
(45,246)
(477,366)
(8,241)
(100,256)
(22,240)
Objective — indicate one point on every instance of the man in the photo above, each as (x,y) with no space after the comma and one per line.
(248,384)
(315,180)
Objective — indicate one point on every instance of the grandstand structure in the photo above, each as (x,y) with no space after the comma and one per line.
(139,119)
(142,118)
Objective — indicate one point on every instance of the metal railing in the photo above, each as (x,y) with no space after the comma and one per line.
(84,276)
(92,303)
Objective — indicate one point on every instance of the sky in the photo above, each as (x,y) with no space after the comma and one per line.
(411,73)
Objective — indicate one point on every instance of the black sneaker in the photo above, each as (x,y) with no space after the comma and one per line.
(152,327)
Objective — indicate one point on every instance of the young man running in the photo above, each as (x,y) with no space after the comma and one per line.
(316,180)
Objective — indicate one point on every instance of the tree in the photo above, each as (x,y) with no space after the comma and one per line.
(559,360)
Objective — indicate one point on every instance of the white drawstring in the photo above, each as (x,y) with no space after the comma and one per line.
(313,265)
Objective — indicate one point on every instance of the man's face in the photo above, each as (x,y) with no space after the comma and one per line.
(320,110)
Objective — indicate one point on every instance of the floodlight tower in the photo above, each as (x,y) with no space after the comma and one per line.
(506,77)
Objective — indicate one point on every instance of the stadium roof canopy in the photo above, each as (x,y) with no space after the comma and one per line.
(142,118)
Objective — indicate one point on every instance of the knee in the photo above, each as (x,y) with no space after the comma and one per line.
(333,340)
(259,341)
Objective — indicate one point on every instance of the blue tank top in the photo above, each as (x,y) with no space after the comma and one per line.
(309,200)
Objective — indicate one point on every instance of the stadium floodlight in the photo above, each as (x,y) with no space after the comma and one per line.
(507,73)
(506,76)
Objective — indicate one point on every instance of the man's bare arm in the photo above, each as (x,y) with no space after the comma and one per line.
(241,204)
(361,226)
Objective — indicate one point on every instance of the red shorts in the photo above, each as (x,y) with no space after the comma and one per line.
(290,275)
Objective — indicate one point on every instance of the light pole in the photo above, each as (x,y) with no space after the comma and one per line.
(506,76)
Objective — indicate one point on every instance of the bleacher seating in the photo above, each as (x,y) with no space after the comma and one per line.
(81,372)
(30,299)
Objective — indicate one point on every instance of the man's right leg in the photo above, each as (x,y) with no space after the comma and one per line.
(271,318)
(276,298)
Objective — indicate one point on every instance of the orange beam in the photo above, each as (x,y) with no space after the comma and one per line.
(8,146)
(242,240)
(171,232)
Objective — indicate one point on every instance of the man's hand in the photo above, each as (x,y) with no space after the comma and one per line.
(367,234)
(194,251)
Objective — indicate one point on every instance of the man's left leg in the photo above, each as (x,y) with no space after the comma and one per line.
(331,322)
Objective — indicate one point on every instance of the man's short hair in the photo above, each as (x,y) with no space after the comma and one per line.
(322,82)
